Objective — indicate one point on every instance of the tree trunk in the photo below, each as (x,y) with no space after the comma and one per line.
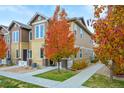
(59,67)
(111,71)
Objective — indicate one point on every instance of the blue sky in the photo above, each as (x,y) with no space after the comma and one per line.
(24,13)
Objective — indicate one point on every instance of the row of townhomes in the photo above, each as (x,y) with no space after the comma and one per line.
(26,41)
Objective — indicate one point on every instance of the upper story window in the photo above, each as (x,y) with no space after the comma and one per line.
(39,31)
(30,35)
(15,36)
(81,33)
(39,18)
(75,28)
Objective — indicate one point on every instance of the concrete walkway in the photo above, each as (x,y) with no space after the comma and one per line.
(74,82)
(79,79)
(31,79)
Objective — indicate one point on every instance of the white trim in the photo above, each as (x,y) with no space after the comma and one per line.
(30,36)
(39,22)
(35,16)
(39,31)
(14,35)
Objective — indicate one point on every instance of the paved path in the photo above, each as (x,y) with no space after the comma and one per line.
(74,82)
(79,79)
(31,79)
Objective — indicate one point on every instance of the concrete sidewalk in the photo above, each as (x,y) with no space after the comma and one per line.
(27,77)
(74,82)
(79,79)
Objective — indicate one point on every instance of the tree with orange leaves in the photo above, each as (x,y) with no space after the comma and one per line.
(59,39)
(109,35)
(3,48)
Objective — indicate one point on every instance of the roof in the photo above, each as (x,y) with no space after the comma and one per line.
(20,25)
(5,28)
(36,14)
(80,21)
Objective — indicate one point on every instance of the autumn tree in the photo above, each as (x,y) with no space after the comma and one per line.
(109,35)
(59,39)
(3,48)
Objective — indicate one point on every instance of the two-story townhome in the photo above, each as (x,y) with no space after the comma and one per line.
(38,24)
(6,35)
(19,39)
(82,38)
(37,38)
(28,41)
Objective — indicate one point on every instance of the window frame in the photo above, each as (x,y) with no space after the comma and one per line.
(29,53)
(81,53)
(81,33)
(30,35)
(42,53)
(15,36)
(39,31)
(75,28)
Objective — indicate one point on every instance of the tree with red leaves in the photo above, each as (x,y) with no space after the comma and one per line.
(109,36)
(59,39)
(3,48)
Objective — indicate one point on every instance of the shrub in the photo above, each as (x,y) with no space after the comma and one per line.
(118,71)
(79,64)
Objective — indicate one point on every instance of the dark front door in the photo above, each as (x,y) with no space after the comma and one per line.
(24,54)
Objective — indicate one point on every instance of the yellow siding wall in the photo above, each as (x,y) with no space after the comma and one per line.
(14,47)
(36,45)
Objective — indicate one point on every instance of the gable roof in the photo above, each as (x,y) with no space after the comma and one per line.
(80,21)
(5,28)
(37,14)
(20,25)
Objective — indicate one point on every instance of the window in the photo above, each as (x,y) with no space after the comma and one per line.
(30,54)
(15,36)
(75,28)
(80,53)
(17,53)
(81,33)
(41,53)
(39,18)
(39,31)
(30,35)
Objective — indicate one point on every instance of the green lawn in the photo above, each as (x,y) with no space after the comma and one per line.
(55,75)
(12,83)
(101,81)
